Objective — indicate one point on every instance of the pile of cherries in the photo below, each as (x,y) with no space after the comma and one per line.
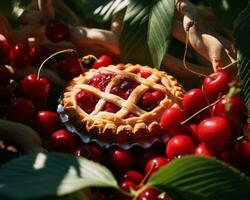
(211,123)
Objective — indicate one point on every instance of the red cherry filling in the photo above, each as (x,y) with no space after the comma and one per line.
(124,88)
(86,100)
(142,73)
(130,115)
(101,80)
(110,107)
(151,99)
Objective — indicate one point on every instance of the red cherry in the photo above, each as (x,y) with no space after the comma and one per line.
(5,74)
(124,88)
(148,101)
(4,49)
(152,194)
(102,61)
(192,130)
(130,115)
(203,149)
(101,80)
(127,185)
(242,150)
(63,141)
(133,176)
(47,121)
(19,55)
(155,164)
(171,120)
(69,68)
(56,31)
(112,108)
(20,110)
(143,74)
(236,108)
(193,101)
(38,54)
(89,151)
(216,84)
(179,145)
(36,88)
(159,95)
(86,100)
(119,158)
(4,94)
(215,132)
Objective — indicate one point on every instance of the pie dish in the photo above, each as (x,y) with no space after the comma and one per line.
(120,104)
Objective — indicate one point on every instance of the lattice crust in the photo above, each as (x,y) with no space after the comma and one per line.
(108,124)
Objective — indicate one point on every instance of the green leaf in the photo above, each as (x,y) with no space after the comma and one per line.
(241,34)
(41,175)
(227,10)
(196,178)
(107,10)
(146,31)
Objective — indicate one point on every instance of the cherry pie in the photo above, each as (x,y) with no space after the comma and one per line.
(122,103)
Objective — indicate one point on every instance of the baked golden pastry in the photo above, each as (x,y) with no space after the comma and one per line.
(121,103)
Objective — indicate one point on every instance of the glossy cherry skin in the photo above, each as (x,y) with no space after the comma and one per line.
(179,145)
(63,141)
(69,68)
(171,120)
(56,31)
(155,164)
(86,100)
(127,185)
(101,80)
(242,150)
(133,176)
(143,74)
(20,110)
(5,75)
(148,101)
(151,99)
(236,108)
(152,194)
(90,151)
(47,122)
(112,108)
(119,159)
(192,131)
(216,84)
(38,54)
(203,150)
(102,61)
(193,101)
(36,88)
(19,55)
(4,49)
(215,132)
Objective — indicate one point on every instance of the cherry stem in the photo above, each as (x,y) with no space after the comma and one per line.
(192,116)
(147,175)
(229,65)
(130,194)
(55,54)
(185,55)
